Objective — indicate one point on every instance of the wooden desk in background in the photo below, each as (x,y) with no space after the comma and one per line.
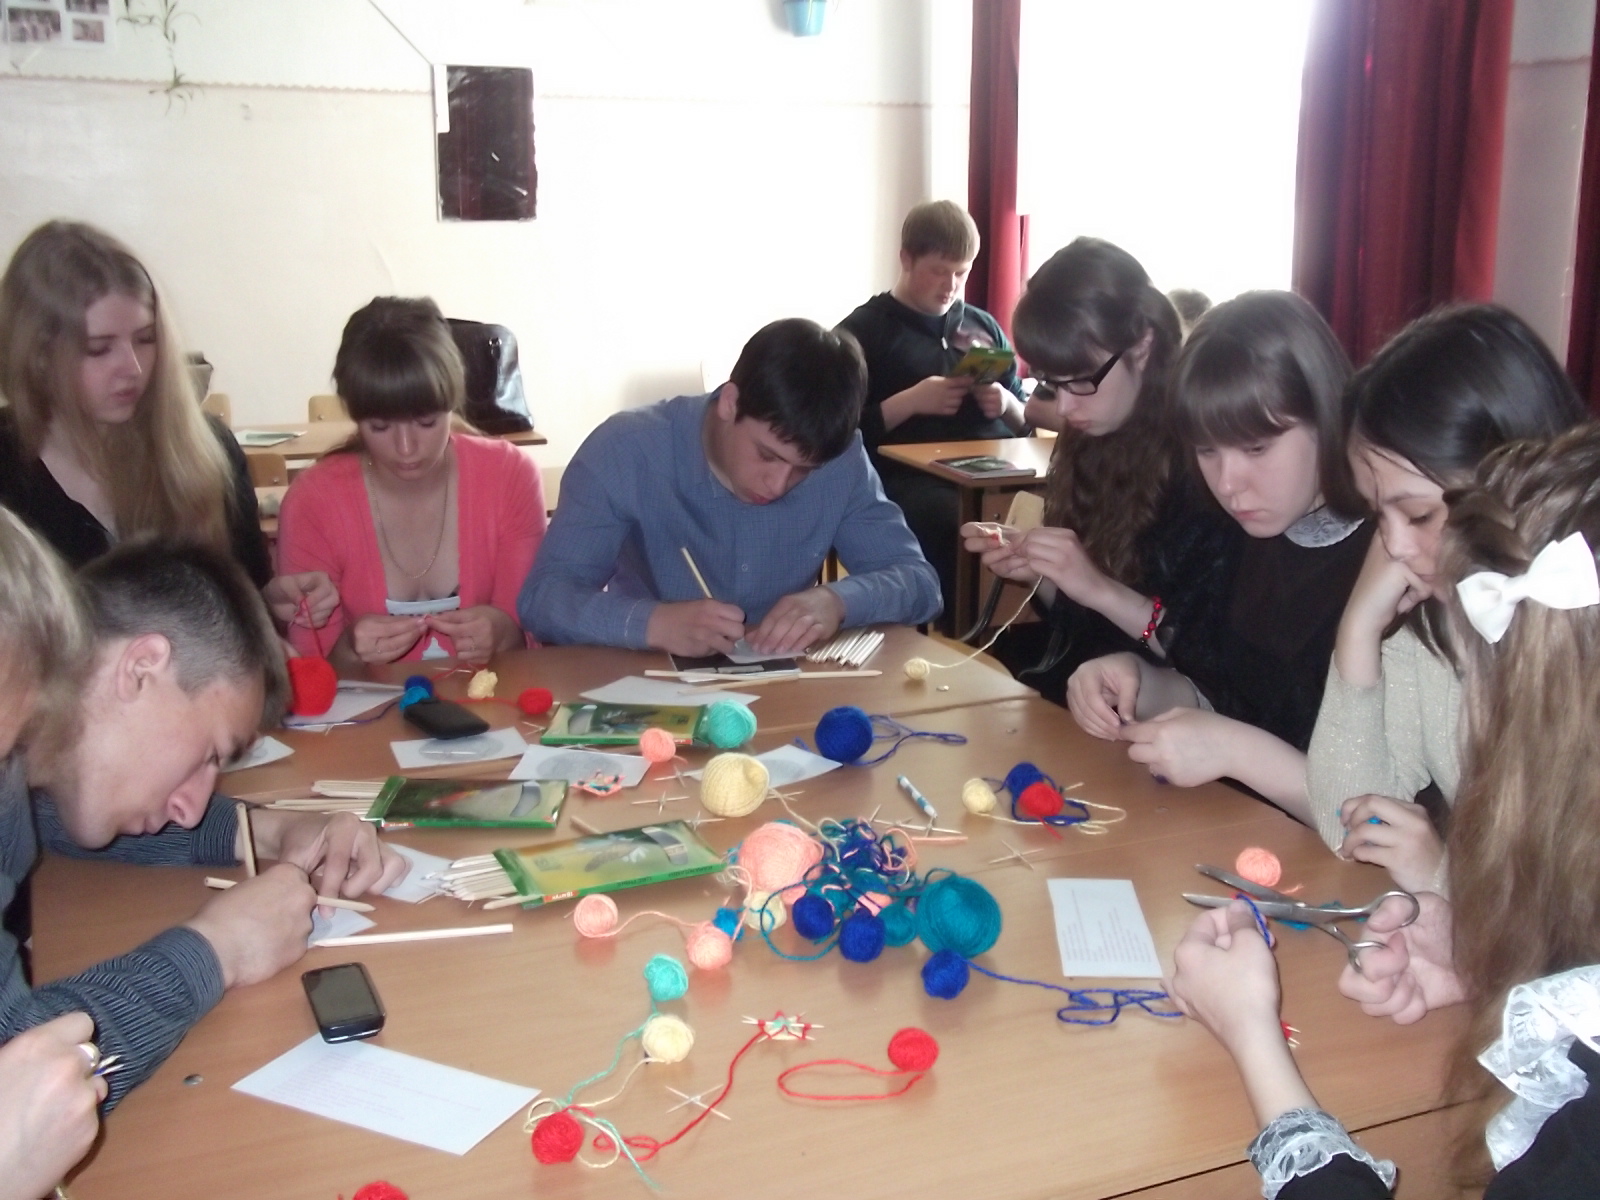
(1025,452)
(316,438)
(1018,1104)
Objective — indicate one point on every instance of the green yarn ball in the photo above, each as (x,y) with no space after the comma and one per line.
(727,725)
(958,914)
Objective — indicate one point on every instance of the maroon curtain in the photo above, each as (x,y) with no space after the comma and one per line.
(1583,339)
(996,279)
(1402,123)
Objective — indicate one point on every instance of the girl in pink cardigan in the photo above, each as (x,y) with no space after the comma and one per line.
(427,533)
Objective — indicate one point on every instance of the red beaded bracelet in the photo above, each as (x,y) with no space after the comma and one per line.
(1155,620)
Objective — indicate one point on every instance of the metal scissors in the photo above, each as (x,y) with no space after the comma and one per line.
(1272,903)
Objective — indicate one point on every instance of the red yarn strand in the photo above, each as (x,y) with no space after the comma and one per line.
(845,1062)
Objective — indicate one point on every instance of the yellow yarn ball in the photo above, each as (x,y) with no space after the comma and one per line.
(978,797)
(764,911)
(666,1038)
(918,668)
(483,685)
(734,785)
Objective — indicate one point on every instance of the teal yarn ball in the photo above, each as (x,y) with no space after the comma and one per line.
(727,725)
(958,914)
(899,925)
(666,978)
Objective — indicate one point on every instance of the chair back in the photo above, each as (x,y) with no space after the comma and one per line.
(325,408)
(268,470)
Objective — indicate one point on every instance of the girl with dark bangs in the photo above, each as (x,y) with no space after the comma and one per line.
(1100,339)
(1519,943)
(1444,392)
(1249,625)
(426,530)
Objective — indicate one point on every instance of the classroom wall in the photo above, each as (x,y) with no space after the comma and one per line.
(1546,102)
(701,171)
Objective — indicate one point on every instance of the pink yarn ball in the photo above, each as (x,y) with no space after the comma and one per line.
(708,947)
(1258,866)
(595,916)
(778,855)
(657,746)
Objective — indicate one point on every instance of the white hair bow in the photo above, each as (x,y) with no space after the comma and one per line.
(1562,575)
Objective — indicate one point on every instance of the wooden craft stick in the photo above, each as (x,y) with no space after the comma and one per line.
(415,935)
(698,578)
(348,789)
(243,811)
(222,885)
(728,685)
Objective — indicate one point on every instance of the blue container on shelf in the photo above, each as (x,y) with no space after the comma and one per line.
(805,16)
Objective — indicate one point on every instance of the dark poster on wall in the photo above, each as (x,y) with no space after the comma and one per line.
(486,167)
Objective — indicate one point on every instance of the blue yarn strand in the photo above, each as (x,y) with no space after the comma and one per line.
(885,728)
(1082,1000)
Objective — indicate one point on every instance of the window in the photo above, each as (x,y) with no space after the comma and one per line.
(1167,127)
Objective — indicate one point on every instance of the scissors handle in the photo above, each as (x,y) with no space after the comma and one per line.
(1373,905)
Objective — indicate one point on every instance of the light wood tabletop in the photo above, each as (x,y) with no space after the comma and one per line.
(1032,452)
(1019,1103)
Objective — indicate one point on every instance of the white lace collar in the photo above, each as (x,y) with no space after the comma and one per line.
(1321,527)
(1540,1023)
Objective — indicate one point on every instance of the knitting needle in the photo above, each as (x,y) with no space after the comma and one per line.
(415,935)
(698,578)
(242,810)
(221,885)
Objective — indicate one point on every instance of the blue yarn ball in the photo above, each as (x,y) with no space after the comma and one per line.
(861,937)
(899,924)
(812,917)
(413,694)
(727,725)
(844,734)
(960,914)
(666,978)
(945,975)
(730,921)
(1021,775)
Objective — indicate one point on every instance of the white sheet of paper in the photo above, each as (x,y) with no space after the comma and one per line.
(566,762)
(1101,930)
(788,764)
(266,749)
(484,747)
(343,923)
(414,887)
(636,689)
(350,701)
(396,1094)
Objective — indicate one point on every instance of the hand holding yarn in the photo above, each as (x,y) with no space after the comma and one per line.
(1226,978)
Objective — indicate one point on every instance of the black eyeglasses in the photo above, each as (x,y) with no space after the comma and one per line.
(1086,385)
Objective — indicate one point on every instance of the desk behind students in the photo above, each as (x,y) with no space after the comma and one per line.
(1018,1104)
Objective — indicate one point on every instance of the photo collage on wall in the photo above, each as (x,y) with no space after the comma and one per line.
(83,24)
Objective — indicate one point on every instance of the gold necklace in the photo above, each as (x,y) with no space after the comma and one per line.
(377,513)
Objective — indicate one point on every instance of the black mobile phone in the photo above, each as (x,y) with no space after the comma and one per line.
(444,720)
(344,1002)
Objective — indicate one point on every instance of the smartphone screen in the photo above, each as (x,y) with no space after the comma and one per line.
(344,1002)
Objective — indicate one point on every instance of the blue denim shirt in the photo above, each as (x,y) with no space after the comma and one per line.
(639,489)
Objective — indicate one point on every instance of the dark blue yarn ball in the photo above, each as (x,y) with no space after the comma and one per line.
(945,975)
(861,937)
(421,681)
(812,916)
(844,734)
(1021,775)
(899,924)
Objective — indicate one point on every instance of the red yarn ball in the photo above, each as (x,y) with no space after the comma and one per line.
(379,1191)
(312,686)
(913,1049)
(1039,800)
(557,1138)
(536,701)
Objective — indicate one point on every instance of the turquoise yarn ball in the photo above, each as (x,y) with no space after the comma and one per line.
(666,978)
(899,925)
(956,913)
(727,725)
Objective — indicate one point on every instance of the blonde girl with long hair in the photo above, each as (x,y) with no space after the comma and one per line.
(1519,943)
(103,437)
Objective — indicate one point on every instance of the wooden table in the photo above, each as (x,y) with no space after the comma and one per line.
(1025,452)
(316,438)
(1018,1104)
